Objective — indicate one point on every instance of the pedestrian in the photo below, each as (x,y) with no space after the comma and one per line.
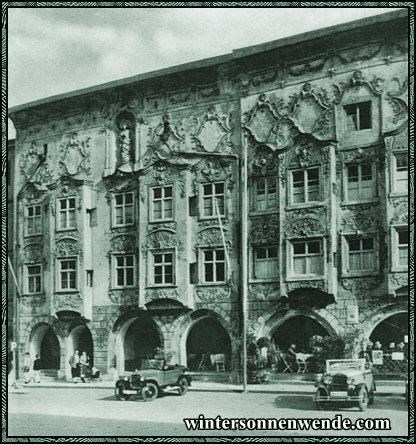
(75,366)
(37,366)
(27,366)
(85,363)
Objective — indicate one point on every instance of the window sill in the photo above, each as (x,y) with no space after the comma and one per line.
(399,194)
(359,202)
(33,235)
(33,294)
(153,287)
(223,218)
(305,277)
(131,287)
(359,274)
(264,281)
(211,284)
(123,226)
(400,270)
(304,205)
(260,212)
(161,221)
(59,230)
(67,291)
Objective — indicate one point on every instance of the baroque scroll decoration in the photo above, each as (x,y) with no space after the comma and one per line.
(67,247)
(161,239)
(264,231)
(154,294)
(123,243)
(213,294)
(74,156)
(34,168)
(124,297)
(358,80)
(72,301)
(213,171)
(212,237)
(277,124)
(213,133)
(33,253)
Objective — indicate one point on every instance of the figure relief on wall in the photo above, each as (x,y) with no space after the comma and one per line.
(74,156)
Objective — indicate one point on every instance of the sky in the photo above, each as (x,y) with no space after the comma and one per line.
(56,50)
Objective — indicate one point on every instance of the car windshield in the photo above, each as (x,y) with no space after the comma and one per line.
(154,364)
(343,365)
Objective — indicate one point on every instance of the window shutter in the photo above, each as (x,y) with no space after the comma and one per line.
(193,206)
(193,273)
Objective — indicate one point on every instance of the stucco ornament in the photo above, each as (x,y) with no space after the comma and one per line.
(75,156)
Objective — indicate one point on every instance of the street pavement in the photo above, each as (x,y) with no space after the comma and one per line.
(384,388)
(56,410)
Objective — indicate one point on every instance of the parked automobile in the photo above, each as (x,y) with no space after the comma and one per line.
(346,382)
(154,376)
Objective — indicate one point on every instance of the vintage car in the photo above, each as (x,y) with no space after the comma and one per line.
(346,382)
(155,375)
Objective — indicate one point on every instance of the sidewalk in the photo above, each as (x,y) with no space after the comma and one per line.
(384,388)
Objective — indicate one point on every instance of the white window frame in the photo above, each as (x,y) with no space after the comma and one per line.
(395,247)
(27,276)
(123,206)
(162,199)
(202,263)
(59,270)
(396,174)
(373,187)
(269,200)
(255,261)
(357,113)
(346,237)
(66,211)
(305,186)
(291,263)
(114,268)
(213,198)
(33,219)
(151,261)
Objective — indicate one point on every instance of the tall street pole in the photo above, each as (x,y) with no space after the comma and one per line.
(244,255)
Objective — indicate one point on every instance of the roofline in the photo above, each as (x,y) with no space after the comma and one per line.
(204,63)
(322,32)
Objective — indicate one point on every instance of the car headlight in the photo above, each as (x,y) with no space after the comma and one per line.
(351,381)
(327,379)
(126,378)
(141,378)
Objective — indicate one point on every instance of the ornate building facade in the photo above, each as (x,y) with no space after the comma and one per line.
(128,202)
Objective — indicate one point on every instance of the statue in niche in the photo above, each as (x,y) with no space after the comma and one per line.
(125,144)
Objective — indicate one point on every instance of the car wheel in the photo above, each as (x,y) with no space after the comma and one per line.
(120,395)
(363,399)
(183,386)
(150,392)
(321,405)
(371,397)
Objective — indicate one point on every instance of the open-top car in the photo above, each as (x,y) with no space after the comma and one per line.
(155,375)
(346,382)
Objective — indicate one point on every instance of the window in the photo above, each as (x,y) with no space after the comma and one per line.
(213,197)
(401,173)
(265,262)
(163,268)
(124,270)
(123,209)
(67,218)
(305,186)
(401,246)
(361,255)
(307,258)
(265,193)
(358,116)
(213,265)
(360,182)
(34,279)
(67,274)
(162,201)
(34,220)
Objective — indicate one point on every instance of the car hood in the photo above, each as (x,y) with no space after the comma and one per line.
(347,373)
